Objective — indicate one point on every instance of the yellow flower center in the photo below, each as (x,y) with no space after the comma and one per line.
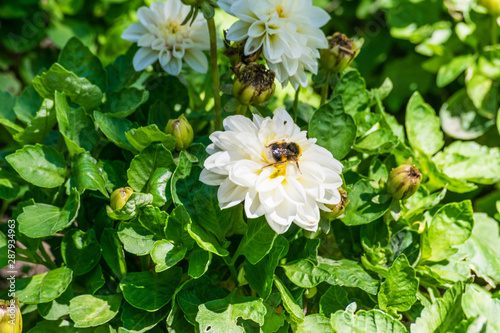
(280,11)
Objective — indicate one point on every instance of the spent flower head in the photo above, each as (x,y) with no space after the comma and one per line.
(271,165)
(253,84)
(287,31)
(340,53)
(161,36)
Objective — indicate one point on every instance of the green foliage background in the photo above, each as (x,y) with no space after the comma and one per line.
(78,122)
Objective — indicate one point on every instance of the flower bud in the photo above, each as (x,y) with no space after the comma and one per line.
(493,6)
(253,84)
(182,131)
(11,320)
(120,197)
(338,209)
(340,53)
(403,181)
(310,292)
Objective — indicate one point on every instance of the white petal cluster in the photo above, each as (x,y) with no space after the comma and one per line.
(242,163)
(286,30)
(160,36)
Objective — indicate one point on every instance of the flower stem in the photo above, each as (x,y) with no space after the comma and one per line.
(324,90)
(232,269)
(243,109)
(215,74)
(494,31)
(296,103)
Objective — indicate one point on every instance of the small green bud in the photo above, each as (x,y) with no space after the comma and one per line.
(253,84)
(182,131)
(493,6)
(11,320)
(340,53)
(338,209)
(120,197)
(403,181)
(310,292)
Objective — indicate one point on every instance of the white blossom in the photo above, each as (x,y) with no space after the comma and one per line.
(242,164)
(286,30)
(160,36)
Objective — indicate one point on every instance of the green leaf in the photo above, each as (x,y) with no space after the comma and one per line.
(461,119)
(80,251)
(343,272)
(199,260)
(275,318)
(94,280)
(112,252)
(135,238)
(155,220)
(78,89)
(165,254)
(258,240)
(222,315)
(115,129)
(482,249)
(295,311)
(42,220)
(205,239)
(399,290)
(42,166)
(60,326)
(131,208)
(123,103)
(442,315)
(373,321)
(334,129)
(352,88)
(449,227)
(143,165)
(148,290)
(136,320)
(40,126)
(27,105)
(77,58)
(76,127)
(334,299)
(121,72)
(363,207)
(260,275)
(182,171)
(377,142)
(423,126)
(91,311)
(470,161)
(478,302)
(176,228)
(365,120)
(451,70)
(45,287)
(313,324)
(158,186)
(57,308)
(86,174)
(142,137)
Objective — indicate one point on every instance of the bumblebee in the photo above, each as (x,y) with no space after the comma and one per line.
(283,152)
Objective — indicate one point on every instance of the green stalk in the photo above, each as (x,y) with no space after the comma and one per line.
(232,269)
(296,103)
(243,109)
(494,32)
(215,74)
(47,258)
(324,90)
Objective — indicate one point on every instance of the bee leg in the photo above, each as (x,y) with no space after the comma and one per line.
(273,164)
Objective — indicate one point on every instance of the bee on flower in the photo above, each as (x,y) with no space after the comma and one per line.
(271,165)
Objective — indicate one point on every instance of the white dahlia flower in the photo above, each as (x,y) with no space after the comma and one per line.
(286,30)
(160,35)
(272,166)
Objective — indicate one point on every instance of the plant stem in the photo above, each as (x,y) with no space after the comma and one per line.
(47,258)
(494,32)
(215,74)
(296,103)
(324,90)
(232,269)
(243,109)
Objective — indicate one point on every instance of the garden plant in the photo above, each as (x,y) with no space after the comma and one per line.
(263,166)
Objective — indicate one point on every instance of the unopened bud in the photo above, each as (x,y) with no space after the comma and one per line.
(11,320)
(493,6)
(310,292)
(253,84)
(120,197)
(182,131)
(403,181)
(340,53)
(338,209)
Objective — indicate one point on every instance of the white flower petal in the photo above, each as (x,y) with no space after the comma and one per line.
(266,181)
(230,194)
(197,60)
(253,206)
(174,66)
(211,178)
(245,172)
(238,31)
(134,32)
(144,58)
